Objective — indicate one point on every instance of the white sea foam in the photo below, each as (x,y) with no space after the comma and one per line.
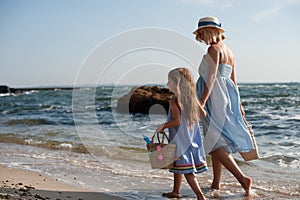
(66,145)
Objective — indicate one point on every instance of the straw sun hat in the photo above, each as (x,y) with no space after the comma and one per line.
(209,22)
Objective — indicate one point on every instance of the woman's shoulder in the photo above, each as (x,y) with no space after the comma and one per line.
(214,48)
(219,48)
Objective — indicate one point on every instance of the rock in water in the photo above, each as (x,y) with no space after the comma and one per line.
(142,98)
(4,89)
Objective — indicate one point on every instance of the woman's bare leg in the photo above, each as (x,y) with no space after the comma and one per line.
(217,170)
(229,163)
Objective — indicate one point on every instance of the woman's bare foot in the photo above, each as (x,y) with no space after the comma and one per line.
(171,195)
(201,197)
(247,184)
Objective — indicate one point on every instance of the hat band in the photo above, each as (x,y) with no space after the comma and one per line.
(208,23)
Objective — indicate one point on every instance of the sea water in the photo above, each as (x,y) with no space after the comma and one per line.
(77,137)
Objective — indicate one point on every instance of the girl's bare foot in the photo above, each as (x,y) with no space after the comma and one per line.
(215,186)
(171,195)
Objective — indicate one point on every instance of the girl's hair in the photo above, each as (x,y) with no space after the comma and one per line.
(210,35)
(186,94)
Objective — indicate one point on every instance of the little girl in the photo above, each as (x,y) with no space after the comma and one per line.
(184,131)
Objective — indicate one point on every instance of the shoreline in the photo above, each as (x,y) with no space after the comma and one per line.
(25,184)
(22,183)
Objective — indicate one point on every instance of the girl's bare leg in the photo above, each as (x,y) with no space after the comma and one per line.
(176,187)
(192,181)
(217,170)
(229,163)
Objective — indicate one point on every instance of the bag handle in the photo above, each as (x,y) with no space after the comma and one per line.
(248,126)
(158,139)
(245,121)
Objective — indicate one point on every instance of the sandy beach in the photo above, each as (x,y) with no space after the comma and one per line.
(24,184)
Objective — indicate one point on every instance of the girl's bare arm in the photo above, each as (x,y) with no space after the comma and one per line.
(175,117)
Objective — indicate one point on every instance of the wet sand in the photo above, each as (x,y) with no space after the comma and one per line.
(24,184)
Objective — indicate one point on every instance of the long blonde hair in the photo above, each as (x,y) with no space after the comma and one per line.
(186,94)
(211,35)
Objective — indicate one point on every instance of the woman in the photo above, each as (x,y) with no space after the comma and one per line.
(217,90)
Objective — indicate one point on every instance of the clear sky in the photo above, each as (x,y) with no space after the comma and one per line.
(44,42)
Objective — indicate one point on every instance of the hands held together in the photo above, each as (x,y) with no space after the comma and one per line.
(160,128)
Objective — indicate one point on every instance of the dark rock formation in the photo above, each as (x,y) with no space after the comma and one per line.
(141,99)
(4,89)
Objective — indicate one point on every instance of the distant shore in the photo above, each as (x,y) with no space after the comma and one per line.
(6,89)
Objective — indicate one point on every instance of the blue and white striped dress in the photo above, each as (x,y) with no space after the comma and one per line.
(190,156)
(223,125)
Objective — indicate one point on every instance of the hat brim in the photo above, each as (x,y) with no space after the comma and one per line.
(195,32)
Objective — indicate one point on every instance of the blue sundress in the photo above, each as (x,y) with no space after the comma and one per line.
(223,125)
(190,156)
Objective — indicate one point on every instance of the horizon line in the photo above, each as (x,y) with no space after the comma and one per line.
(128,84)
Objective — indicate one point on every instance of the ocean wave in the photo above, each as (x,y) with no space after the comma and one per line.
(119,152)
(28,92)
(30,122)
(283,160)
(294,118)
(112,152)
(5,94)
(55,119)
(38,142)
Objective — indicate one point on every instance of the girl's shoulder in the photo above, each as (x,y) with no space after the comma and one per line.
(173,98)
(174,102)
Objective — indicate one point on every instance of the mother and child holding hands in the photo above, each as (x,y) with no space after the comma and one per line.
(214,100)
